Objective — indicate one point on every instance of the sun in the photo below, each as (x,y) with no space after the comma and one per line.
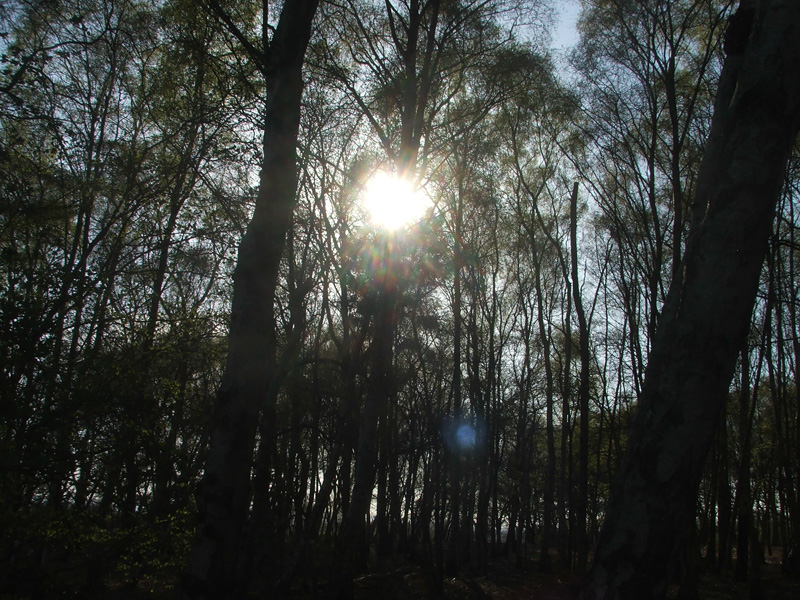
(393,201)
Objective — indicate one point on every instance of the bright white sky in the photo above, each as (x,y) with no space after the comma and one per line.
(565,35)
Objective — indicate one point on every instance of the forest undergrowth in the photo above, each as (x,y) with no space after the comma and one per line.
(114,573)
(398,580)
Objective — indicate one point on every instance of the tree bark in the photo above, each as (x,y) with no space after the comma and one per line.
(582,536)
(707,312)
(225,489)
(549,393)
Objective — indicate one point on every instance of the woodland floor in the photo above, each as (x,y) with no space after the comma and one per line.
(398,580)
(505,582)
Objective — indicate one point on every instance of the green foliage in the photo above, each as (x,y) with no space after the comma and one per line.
(77,553)
(129,157)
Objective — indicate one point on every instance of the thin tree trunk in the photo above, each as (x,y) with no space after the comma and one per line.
(564,479)
(724,499)
(352,542)
(454,454)
(550,468)
(582,537)
(744,500)
(747,410)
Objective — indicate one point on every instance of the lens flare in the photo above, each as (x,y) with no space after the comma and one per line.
(466,436)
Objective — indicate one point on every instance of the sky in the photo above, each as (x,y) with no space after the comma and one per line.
(565,35)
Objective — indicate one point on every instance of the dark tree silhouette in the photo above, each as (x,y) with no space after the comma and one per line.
(250,368)
(706,316)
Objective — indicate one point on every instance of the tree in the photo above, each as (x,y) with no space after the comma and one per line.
(583,389)
(650,68)
(250,368)
(707,311)
(422,74)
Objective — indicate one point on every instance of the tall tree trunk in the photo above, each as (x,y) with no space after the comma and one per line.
(582,537)
(351,546)
(747,411)
(225,489)
(487,469)
(550,468)
(791,563)
(454,454)
(723,496)
(564,478)
(707,312)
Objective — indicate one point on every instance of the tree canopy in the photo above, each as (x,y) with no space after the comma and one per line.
(222,378)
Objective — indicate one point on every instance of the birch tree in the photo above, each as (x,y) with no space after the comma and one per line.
(707,312)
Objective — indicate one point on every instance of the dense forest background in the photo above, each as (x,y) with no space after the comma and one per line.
(489,355)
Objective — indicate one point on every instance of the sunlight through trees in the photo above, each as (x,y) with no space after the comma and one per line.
(296,296)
